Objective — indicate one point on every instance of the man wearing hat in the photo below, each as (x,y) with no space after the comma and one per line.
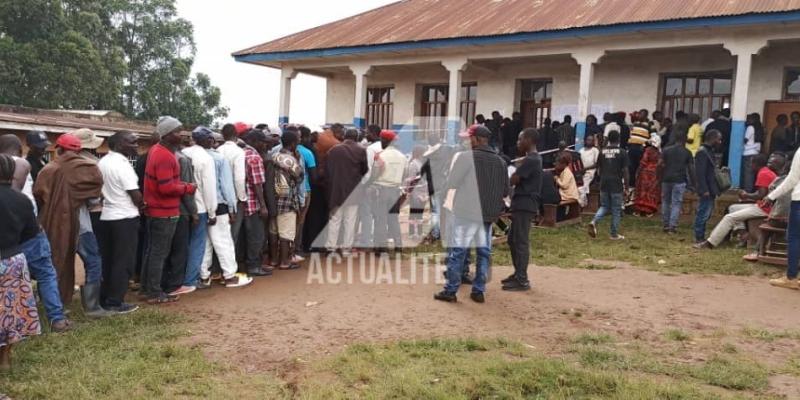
(88,248)
(479,179)
(163,190)
(205,198)
(388,169)
(37,148)
(62,188)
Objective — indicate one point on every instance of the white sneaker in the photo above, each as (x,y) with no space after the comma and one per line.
(238,281)
(617,237)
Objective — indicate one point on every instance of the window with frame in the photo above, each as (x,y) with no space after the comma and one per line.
(469,102)
(535,102)
(433,107)
(791,84)
(380,107)
(699,93)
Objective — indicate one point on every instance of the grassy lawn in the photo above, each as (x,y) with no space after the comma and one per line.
(141,357)
(646,246)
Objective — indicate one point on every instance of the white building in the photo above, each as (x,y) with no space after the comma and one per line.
(399,65)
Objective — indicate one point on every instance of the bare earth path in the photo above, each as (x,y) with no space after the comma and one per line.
(281,318)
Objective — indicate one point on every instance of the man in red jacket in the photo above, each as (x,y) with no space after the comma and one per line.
(163,190)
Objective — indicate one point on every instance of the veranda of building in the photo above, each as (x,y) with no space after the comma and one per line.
(412,63)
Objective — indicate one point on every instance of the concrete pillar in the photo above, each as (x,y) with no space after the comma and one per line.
(586,60)
(361,71)
(287,74)
(456,68)
(744,52)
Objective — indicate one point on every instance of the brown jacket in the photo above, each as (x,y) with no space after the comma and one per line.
(60,189)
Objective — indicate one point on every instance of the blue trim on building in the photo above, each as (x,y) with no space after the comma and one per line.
(736,152)
(283,120)
(359,123)
(580,133)
(749,19)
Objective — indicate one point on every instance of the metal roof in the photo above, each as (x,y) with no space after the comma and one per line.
(412,21)
(61,121)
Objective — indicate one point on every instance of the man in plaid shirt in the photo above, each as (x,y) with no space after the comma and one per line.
(255,210)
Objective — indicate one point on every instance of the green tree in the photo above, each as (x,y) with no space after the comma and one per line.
(131,56)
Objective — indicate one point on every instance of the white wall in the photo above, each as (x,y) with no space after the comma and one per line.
(622,82)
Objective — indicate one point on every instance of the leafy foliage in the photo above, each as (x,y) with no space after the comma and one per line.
(131,56)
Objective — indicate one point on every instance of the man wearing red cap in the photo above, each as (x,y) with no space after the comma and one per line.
(62,187)
(388,170)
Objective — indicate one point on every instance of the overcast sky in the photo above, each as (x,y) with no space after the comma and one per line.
(251,92)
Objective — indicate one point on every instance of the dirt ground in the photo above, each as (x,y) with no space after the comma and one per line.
(283,318)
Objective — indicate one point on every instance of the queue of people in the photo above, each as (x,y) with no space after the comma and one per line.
(205,209)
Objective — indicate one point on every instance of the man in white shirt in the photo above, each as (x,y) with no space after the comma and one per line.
(118,234)
(205,198)
(589,155)
(219,234)
(365,215)
(389,167)
(234,154)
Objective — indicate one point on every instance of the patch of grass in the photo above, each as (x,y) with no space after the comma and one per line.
(593,338)
(646,247)
(770,336)
(737,374)
(677,335)
(136,356)
(444,369)
(793,366)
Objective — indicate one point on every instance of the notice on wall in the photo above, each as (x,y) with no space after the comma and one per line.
(559,112)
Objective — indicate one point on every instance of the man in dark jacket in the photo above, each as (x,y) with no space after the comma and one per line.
(345,165)
(479,182)
(722,124)
(707,189)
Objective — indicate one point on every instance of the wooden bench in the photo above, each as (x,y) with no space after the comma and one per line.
(573,214)
(772,247)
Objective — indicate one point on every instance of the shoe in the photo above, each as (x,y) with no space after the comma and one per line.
(205,283)
(477,297)
(752,257)
(90,300)
(617,237)
(672,231)
(217,277)
(162,298)
(123,308)
(702,245)
(298,258)
(238,281)
(510,278)
(259,272)
(445,296)
(517,286)
(183,290)
(592,230)
(466,280)
(785,282)
(61,326)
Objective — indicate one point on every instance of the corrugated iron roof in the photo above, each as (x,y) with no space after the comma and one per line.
(18,118)
(423,20)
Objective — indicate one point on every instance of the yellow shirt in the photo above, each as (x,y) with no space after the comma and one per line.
(695,136)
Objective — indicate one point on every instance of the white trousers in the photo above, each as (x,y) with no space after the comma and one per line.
(343,215)
(219,236)
(735,219)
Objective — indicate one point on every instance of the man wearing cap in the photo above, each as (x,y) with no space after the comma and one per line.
(234,155)
(62,188)
(163,190)
(205,176)
(88,249)
(219,233)
(480,181)
(37,148)
(37,249)
(345,164)
(388,169)
(255,208)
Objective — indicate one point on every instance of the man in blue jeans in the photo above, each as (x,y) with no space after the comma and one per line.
(790,184)
(612,168)
(480,181)
(707,188)
(674,169)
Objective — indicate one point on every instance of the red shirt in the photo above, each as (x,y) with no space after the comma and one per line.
(162,183)
(765,178)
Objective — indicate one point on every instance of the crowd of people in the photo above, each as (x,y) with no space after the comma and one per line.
(212,209)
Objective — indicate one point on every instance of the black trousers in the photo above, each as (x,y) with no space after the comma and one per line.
(519,243)
(118,241)
(635,154)
(254,229)
(175,264)
(160,232)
